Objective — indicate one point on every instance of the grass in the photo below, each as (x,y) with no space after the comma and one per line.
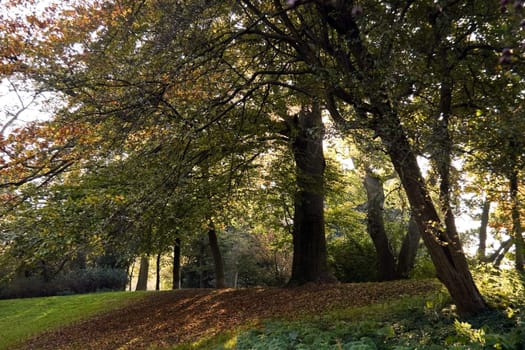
(22,318)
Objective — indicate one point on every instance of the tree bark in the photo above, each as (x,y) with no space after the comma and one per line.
(516,224)
(499,254)
(376,227)
(408,251)
(217,257)
(309,262)
(176,264)
(201,262)
(482,246)
(157,274)
(445,250)
(142,281)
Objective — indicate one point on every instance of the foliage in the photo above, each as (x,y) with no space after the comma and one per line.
(73,282)
(168,103)
(23,318)
(307,336)
(423,267)
(353,260)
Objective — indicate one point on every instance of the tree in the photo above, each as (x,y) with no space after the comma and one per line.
(176,264)
(376,226)
(142,281)
(362,71)
(309,259)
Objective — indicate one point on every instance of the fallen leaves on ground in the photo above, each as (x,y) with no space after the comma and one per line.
(173,317)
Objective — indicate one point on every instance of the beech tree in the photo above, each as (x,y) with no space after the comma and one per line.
(354,65)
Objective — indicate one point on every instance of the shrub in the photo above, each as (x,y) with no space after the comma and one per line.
(92,280)
(25,287)
(353,261)
(74,282)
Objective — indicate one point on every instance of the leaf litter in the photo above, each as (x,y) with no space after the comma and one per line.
(173,317)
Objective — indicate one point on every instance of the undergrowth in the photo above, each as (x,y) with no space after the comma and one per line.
(426,322)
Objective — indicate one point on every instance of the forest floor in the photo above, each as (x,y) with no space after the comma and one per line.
(164,319)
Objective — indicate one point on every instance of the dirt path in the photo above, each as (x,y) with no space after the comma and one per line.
(168,318)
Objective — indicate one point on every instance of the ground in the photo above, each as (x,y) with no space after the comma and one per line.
(174,317)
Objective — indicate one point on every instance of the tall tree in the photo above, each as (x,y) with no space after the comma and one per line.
(176,264)
(376,226)
(309,241)
(218,262)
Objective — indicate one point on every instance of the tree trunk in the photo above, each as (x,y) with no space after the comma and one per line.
(309,243)
(176,264)
(376,226)
(142,281)
(130,276)
(516,224)
(217,257)
(499,254)
(157,275)
(408,251)
(445,250)
(482,247)
(201,260)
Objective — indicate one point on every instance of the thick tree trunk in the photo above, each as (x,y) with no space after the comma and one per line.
(408,251)
(157,272)
(142,281)
(176,264)
(376,227)
(217,257)
(445,250)
(516,223)
(309,243)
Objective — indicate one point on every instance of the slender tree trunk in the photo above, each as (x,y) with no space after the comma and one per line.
(516,223)
(309,243)
(130,276)
(445,250)
(202,252)
(408,251)
(482,247)
(176,264)
(217,257)
(376,227)
(142,281)
(498,255)
(157,274)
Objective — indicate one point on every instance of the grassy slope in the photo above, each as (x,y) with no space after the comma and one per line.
(22,318)
(419,321)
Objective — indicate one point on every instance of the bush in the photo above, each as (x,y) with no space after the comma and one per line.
(74,282)
(92,280)
(353,261)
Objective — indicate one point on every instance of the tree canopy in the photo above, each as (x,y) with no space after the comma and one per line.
(183,117)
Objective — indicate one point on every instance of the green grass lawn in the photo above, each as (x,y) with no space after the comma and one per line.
(22,318)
